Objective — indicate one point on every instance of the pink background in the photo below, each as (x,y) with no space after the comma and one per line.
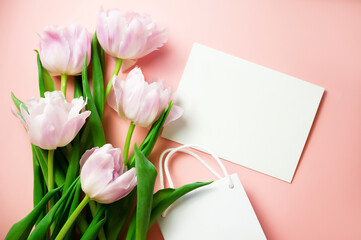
(318,41)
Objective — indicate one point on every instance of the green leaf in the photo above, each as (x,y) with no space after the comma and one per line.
(78,88)
(38,191)
(166,197)
(64,211)
(146,175)
(95,226)
(39,187)
(40,73)
(94,120)
(46,83)
(21,229)
(101,56)
(42,162)
(73,167)
(86,140)
(17,102)
(98,80)
(81,223)
(149,141)
(118,214)
(60,162)
(41,230)
(74,204)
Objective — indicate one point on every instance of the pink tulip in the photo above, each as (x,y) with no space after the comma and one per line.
(141,102)
(62,49)
(52,122)
(103,176)
(129,36)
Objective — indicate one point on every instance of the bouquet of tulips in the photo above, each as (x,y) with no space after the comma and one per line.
(83,186)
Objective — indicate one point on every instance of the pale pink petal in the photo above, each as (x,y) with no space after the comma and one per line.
(111,100)
(111,27)
(77,104)
(118,162)
(71,129)
(118,188)
(175,113)
(116,32)
(155,41)
(46,137)
(134,41)
(79,42)
(19,116)
(26,116)
(103,175)
(149,106)
(127,64)
(102,31)
(96,172)
(86,156)
(52,122)
(133,92)
(129,35)
(54,51)
(115,95)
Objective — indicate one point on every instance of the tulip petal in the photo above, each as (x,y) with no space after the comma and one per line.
(102,31)
(62,49)
(118,162)
(71,128)
(46,138)
(54,50)
(149,106)
(19,116)
(79,42)
(133,89)
(175,113)
(155,41)
(115,95)
(51,121)
(97,172)
(134,41)
(127,64)
(86,156)
(116,31)
(129,35)
(118,188)
(77,104)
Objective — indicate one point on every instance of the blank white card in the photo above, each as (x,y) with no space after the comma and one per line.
(248,114)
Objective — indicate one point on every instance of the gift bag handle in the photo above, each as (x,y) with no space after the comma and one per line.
(181,149)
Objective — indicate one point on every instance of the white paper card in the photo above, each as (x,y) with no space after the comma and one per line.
(212,212)
(246,113)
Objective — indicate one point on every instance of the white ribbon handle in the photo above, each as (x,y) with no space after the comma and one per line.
(181,149)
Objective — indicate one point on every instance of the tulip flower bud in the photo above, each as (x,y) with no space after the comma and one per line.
(52,122)
(62,49)
(103,176)
(129,36)
(140,102)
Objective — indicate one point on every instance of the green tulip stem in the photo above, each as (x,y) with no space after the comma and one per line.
(118,64)
(127,142)
(64,79)
(51,180)
(72,218)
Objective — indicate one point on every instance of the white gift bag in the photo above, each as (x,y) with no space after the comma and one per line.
(220,210)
